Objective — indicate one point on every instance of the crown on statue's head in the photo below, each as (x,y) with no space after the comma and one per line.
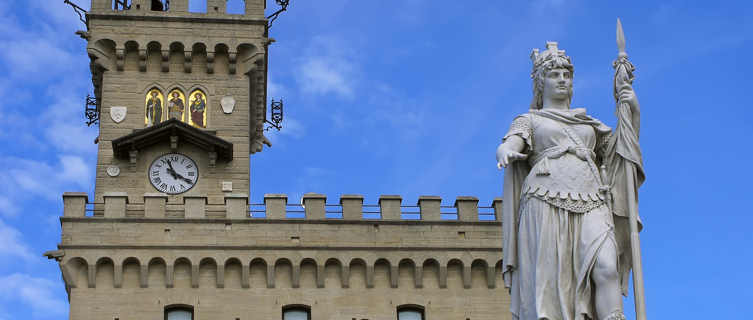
(539,60)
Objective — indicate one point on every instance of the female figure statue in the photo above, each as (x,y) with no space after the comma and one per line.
(566,255)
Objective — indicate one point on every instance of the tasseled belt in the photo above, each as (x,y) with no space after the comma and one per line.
(556,152)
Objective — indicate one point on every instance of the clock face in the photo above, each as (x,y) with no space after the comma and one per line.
(173,173)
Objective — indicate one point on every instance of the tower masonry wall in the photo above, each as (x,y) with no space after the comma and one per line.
(135,51)
(241,261)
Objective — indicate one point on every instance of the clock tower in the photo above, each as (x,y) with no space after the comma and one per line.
(181,97)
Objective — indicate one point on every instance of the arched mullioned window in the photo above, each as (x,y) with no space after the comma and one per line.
(296,312)
(154,108)
(179,312)
(121,4)
(160,5)
(197,109)
(410,312)
(176,105)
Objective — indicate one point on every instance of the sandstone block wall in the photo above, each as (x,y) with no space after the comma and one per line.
(132,266)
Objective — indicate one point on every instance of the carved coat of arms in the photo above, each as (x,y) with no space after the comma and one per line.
(227,103)
(118,114)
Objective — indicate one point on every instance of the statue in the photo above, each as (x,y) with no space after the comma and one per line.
(569,203)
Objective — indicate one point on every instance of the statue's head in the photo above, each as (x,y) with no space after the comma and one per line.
(552,74)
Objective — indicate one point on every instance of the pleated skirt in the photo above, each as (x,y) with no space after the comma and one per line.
(557,250)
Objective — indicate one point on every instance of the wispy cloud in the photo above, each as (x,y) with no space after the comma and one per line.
(328,67)
(33,293)
(13,246)
(27,178)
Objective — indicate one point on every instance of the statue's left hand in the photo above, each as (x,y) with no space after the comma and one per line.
(627,95)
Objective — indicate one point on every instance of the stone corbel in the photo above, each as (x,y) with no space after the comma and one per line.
(120,59)
(118,276)
(133,155)
(394,275)
(142,60)
(195,276)
(296,278)
(165,60)
(210,62)
(250,63)
(442,277)
(99,58)
(320,274)
(270,276)
(233,62)
(345,277)
(490,280)
(467,276)
(173,142)
(187,64)
(144,277)
(245,271)
(91,276)
(212,159)
(418,277)
(370,276)
(220,283)
(169,276)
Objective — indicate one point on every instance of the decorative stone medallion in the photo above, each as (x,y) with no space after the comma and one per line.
(118,114)
(227,103)
(113,171)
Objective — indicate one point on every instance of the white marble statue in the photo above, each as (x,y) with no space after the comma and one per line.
(567,250)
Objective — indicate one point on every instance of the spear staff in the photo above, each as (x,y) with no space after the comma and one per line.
(627,157)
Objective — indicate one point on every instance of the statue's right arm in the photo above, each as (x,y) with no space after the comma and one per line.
(510,150)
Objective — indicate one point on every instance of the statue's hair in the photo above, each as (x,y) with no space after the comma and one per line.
(550,59)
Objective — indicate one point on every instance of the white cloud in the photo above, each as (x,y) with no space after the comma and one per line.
(7,207)
(36,293)
(25,177)
(324,75)
(328,67)
(12,245)
(75,170)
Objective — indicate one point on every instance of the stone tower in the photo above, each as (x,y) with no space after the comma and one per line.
(177,82)
(169,233)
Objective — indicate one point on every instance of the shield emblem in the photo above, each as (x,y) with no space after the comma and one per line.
(227,103)
(118,114)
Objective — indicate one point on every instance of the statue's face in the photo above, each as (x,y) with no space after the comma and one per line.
(558,84)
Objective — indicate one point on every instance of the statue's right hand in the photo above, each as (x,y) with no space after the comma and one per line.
(509,156)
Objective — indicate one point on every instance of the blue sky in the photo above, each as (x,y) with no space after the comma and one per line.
(411,97)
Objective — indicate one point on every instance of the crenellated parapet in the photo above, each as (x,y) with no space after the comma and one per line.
(206,9)
(311,207)
(313,243)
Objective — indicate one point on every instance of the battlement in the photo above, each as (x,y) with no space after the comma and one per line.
(312,207)
(214,9)
(296,250)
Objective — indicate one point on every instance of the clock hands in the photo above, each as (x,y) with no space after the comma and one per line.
(171,170)
(175,174)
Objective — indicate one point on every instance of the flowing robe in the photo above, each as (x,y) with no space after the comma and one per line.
(197,112)
(154,110)
(555,217)
(176,108)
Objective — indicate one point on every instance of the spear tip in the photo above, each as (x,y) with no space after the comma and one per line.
(620,38)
